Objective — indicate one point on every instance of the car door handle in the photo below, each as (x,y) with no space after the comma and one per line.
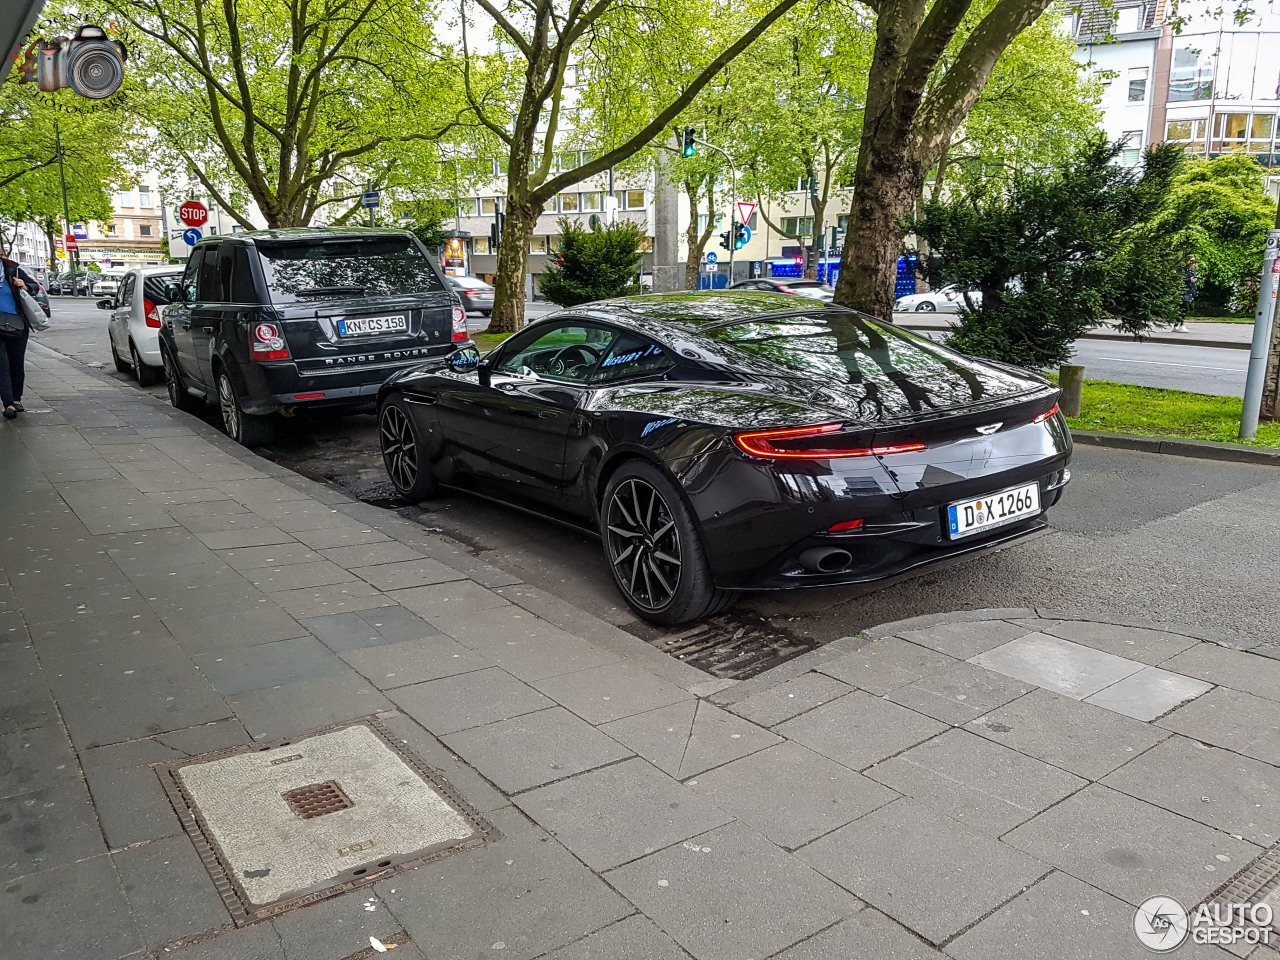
(550,415)
(207,329)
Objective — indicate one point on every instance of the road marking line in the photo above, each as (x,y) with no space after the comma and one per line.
(1161,363)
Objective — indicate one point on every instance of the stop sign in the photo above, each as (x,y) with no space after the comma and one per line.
(193,213)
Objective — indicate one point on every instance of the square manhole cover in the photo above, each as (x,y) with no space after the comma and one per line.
(290,822)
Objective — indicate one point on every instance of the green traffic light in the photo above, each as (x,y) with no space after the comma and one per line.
(690,148)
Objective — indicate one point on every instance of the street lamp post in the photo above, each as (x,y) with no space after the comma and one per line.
(733,198)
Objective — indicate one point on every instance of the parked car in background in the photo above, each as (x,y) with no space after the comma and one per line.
(42,297)
(104,284)
(311,318)
(475,294)
(796,286)
(134,327)
(60,284)
(721,442)
(948,299)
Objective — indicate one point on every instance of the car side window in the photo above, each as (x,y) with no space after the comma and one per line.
(568,353)
(209,283)
(632,356)
(190,279)
(126,290)
(242,288)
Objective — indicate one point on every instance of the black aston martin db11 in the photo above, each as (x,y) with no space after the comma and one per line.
(721,442)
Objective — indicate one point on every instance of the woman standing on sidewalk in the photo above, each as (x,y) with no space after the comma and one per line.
(13,337)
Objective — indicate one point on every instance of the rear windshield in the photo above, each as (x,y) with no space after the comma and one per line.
(340,269)
(153,287)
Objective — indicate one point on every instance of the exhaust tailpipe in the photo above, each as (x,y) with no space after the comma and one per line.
(825,559)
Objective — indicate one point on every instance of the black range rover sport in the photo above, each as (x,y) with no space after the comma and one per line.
(279,320)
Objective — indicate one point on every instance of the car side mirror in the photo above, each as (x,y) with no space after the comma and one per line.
(464,360)
(173,292)
(106,304)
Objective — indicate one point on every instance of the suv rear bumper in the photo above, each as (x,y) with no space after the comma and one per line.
(275,387)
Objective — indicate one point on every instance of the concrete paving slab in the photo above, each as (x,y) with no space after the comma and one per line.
(469,700)
(541,651)
(609,816)
(867,935)
(314,573)
(72,912)
(536,898)
(688,738)
(131,805)
(47,828)
(169,891)
(257,942)
(478,791)
(635,936)
(1132,643)
(885,665)
(981,784)
(1086,740)
(250,558)
(729,894)
(340,927)
(296,707)
(396,624)
(335,598)
(25,700)
(786,700)
(1246,672)
(35,758)
(534,749)
(264,623)
(418,572)
(1149,693)
(251,537)
(1216,787)
(928,872)
(268,665)
(393,665)
(347,535)
(960,694)
(1132,849)
(860,730)
(610,692)
(370,554)
(343,632)
(1232,720)
(444,597)
(1068,668)
(791,794)
(965,639)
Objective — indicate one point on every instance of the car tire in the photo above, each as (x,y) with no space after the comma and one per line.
(121,366)
(147,376)
(402,451)
(653,550)
(246,429)
(925,307)
(178,396)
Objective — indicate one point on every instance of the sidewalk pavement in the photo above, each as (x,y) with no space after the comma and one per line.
(985,785)
(1235,336)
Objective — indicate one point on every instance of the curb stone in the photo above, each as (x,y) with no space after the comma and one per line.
(1198,449)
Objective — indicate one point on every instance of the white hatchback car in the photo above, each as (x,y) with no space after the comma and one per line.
(948,299)
(134,328)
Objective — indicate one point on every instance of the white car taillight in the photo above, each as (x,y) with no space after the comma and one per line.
(150,314)
(266,343)
(459,324)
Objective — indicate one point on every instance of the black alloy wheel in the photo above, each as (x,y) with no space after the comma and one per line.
(653,548)
(245,429)
(402,454)
(178,396)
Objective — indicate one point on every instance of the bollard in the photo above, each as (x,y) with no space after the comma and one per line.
(1071,382)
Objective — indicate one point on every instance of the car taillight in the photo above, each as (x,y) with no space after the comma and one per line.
(761,443)
(459,324)
(150,314)
(1046,415)
(266,343)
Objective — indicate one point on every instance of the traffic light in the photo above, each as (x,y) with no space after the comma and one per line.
(813,188)
(724,240)
(741,234)
(689,147)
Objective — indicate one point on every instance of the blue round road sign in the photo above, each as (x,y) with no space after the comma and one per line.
(711,257)
(190,236)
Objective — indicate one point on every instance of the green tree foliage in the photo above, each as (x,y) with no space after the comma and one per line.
(1218,212)
(591,265)
(1055,253)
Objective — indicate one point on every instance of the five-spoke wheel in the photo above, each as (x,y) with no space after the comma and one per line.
(402,454)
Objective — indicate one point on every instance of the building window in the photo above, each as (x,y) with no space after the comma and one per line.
(144,229)
(488,206)
(1129,19)
(124,198)
(549,206)
(1231,126)
(1260,129)
(144,197)
(797,226)
(645,245)
(589,201)
(1137,84)
(111,230)
(538,245)
(1132,151)
(568,203)
(631,199)
(480,245)
(467,207)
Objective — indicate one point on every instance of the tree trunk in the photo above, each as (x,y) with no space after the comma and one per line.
(819,207)
(885,193)
(513,259)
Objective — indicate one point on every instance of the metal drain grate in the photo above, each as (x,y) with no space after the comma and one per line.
(316,799)
(1257,883)
(735,649)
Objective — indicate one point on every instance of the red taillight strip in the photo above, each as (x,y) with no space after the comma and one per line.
(1046,415)
(757,444)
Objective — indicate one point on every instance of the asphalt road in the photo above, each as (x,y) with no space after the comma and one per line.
(1190,542)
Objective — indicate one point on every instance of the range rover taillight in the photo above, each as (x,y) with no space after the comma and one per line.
(267,343)
(459,324)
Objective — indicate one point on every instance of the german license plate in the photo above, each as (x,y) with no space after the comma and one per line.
(967,517)
(368,326)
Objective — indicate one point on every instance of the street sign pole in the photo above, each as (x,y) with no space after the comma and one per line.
(72,255)
(733,197)
(1262,323)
